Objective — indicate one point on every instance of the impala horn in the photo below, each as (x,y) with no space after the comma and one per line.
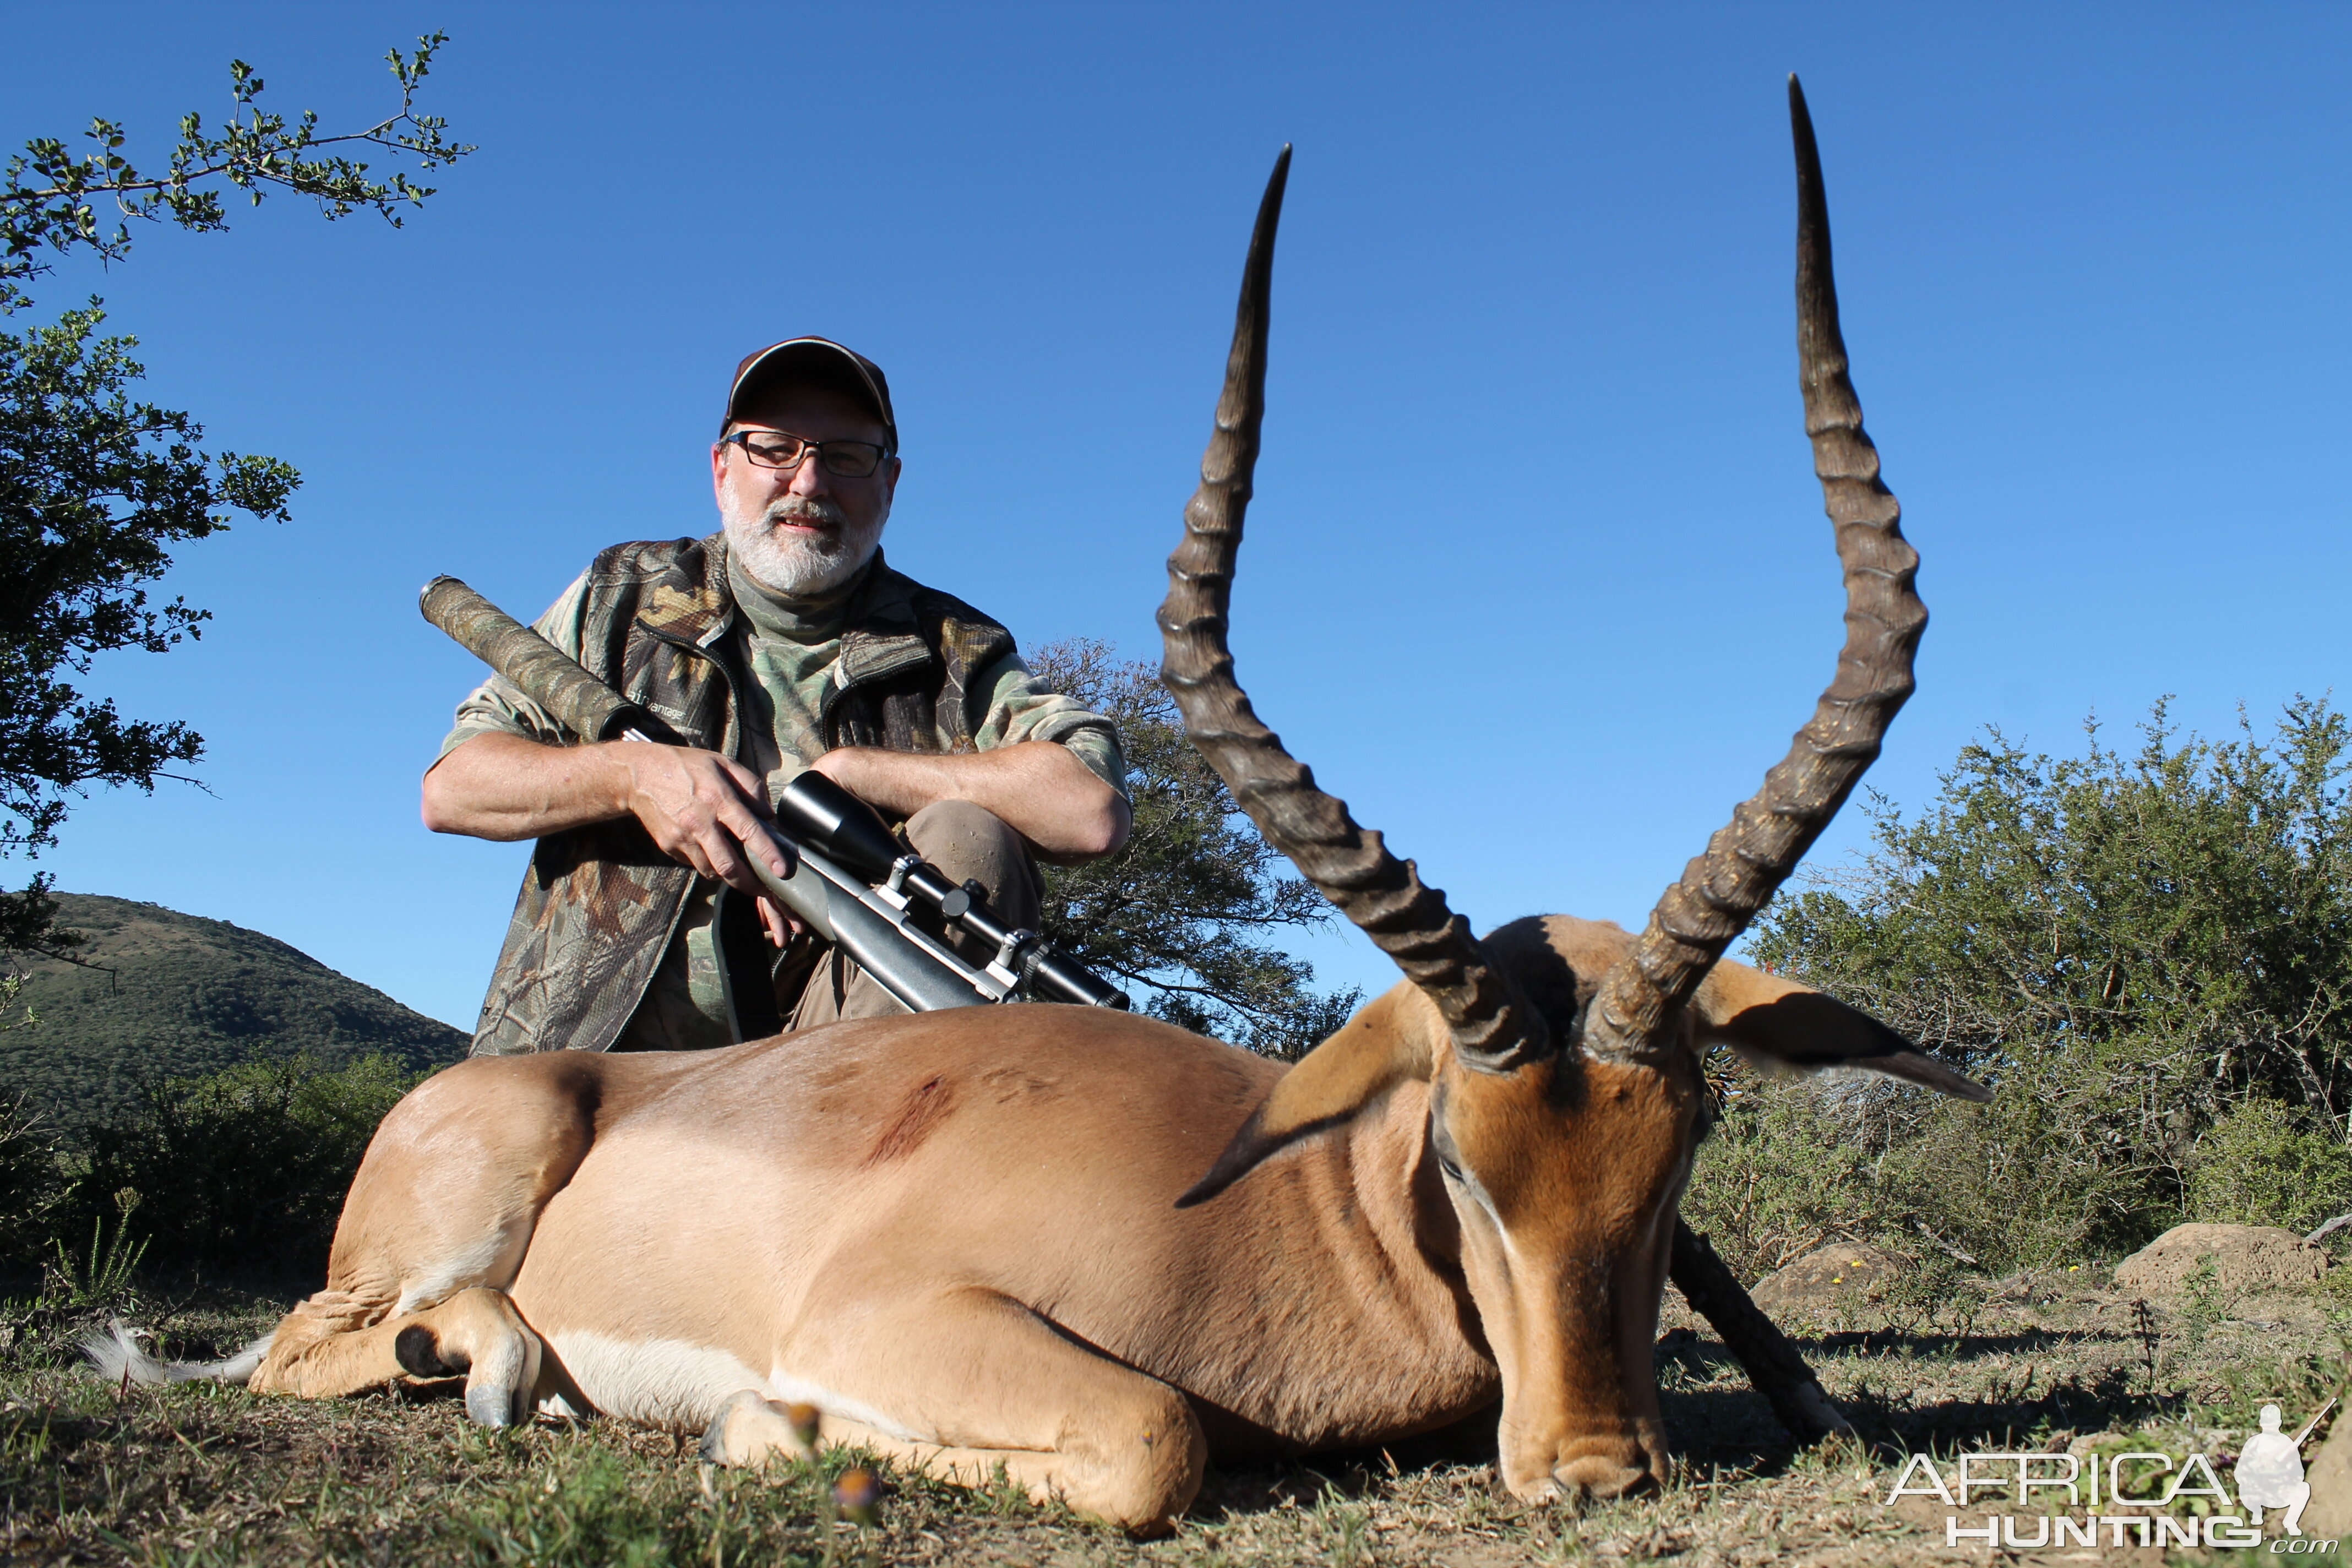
(1493,1029)
(1632,1015)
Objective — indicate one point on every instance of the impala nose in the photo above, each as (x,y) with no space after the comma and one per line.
(1603,1474)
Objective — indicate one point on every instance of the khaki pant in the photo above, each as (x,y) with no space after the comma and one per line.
(968,844)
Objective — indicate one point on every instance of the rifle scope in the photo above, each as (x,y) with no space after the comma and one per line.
(853,833)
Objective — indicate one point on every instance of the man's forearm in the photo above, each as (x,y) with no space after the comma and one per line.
(702,810)
(505,787)
(1037,788)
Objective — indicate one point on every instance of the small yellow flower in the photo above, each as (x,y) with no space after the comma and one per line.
(804,1420)
(856,1494)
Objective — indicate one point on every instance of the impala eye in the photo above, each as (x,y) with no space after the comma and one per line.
(1440,1144)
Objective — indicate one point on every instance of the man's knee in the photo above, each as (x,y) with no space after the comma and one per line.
(964,841)
(970,844)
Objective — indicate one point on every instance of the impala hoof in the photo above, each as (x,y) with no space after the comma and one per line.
(1602,1474)
(477,1331)
(489,1406)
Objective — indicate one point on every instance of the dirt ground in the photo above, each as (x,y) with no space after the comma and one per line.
(93,1473)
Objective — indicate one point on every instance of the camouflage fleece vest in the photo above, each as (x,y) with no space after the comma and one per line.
(600,904)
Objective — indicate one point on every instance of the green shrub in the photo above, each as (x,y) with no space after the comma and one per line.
(238,1171)
(2186,911)
(2026,1182)
(2046,1175)
(33,1183)
(2261,1164)
(2148,955)
(1778,1175)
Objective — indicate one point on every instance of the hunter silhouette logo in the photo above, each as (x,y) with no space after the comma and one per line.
(2129,1495)
(2270,1470)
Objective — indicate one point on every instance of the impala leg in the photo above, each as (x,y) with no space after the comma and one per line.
(476,1332)
(434,1228)
(999,1388)
(1146,1502)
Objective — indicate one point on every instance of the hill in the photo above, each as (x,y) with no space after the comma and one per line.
(188,995)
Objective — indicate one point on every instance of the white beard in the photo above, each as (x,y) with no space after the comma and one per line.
(799,566)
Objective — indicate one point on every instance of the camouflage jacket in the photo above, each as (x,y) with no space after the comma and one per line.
(599,904)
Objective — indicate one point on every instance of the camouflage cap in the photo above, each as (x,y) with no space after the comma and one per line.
(812,362)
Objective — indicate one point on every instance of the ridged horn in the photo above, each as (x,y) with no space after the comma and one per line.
(1744,863)
(1492,1028)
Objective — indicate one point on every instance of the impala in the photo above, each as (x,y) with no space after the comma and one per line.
(1031,1238)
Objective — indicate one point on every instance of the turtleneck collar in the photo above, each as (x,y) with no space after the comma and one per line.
(781,618)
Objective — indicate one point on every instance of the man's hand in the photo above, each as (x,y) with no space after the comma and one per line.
(708,811)
(701,809)
(705,810)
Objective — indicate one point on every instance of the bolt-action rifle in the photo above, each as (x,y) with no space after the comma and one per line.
(845,878)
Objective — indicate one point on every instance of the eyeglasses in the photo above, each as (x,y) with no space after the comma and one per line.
(775,449)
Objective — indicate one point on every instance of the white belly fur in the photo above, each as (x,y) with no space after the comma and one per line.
(670,1384)
(662,1383)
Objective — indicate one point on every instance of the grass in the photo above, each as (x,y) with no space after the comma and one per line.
(90,1473)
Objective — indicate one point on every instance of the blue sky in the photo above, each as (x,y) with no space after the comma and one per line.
(1537,577)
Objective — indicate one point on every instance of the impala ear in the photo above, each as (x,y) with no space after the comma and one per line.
(1761,1014)
(1385,1044)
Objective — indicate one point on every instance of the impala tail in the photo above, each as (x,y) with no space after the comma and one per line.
(116,1356)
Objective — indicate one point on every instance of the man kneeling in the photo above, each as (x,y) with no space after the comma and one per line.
(783,642)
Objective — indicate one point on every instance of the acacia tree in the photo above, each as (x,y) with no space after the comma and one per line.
(1184,910)
(96,486)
